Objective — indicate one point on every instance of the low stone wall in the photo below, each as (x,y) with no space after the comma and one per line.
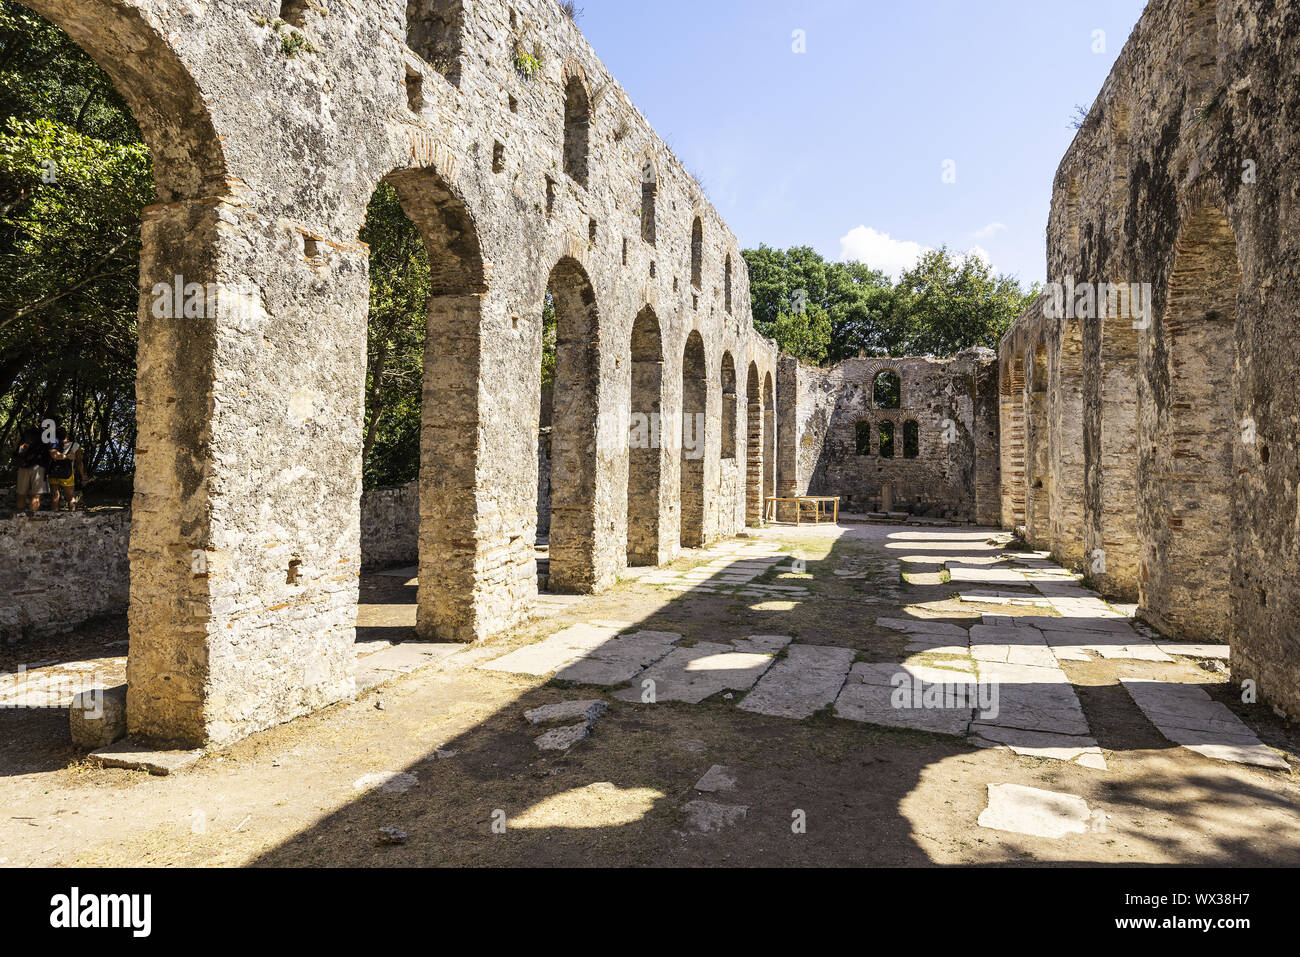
(390,526)
(58,570)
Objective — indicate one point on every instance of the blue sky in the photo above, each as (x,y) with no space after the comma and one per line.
(842,148)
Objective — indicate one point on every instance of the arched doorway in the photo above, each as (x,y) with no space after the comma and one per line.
(695,404)
(572,491)
(1193,433)
(754,457)
(645,453)
(449,371)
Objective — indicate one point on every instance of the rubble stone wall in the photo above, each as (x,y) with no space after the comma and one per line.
(1160,453)
(840,435)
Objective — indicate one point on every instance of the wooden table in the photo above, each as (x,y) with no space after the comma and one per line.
(822,504)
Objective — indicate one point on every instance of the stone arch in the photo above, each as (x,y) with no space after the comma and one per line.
(189,161)
(729,406)
(769,437)
(177,651)
(645,462)
(1067,447)
(695,407)
(1038,481)
(448,424)
(574,429)
(754,451)
(1012,399)
(1190,423)
(577,126)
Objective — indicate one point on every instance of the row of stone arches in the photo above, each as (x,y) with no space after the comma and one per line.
(1149,412)
(244,566)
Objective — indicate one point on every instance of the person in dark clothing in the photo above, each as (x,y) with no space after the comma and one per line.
(32,458)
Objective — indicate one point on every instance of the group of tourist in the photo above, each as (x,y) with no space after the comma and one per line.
(49,462)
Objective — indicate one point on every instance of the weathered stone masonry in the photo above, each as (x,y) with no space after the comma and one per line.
(936,446)
(267,149)
(1159,452)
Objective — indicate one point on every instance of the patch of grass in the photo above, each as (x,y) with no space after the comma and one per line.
(293,43)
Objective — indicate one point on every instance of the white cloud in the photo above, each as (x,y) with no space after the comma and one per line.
(881,251)
(989,231)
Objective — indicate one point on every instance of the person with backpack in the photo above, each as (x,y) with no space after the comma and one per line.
(66,465)
(32,457)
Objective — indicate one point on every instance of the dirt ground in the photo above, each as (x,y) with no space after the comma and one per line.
(868,795)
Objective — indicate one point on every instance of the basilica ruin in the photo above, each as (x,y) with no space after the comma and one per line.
(1154,452)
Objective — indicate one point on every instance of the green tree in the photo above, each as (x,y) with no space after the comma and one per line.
(819,311)
(74,178)
(395,334)
(950,304)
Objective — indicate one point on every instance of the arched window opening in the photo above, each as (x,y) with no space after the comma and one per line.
(433,32)
(886,440)
(697,254)
(911,440)
(649,193)
(887,391)
(577,123)
(726,280)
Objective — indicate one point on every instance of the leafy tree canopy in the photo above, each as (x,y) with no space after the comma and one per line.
(827,312)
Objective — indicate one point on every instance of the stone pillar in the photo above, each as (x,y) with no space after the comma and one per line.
(245,536)
(450,604)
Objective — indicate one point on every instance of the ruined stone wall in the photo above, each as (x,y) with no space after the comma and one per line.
(59,570)
(953,405)
(390,526)
(269,138)
(1174,428)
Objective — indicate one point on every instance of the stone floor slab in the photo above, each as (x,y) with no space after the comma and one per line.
(806,681)
(693,674)
(1033,811)
(1189,717)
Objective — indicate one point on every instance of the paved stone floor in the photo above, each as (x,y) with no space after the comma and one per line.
(853,695)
